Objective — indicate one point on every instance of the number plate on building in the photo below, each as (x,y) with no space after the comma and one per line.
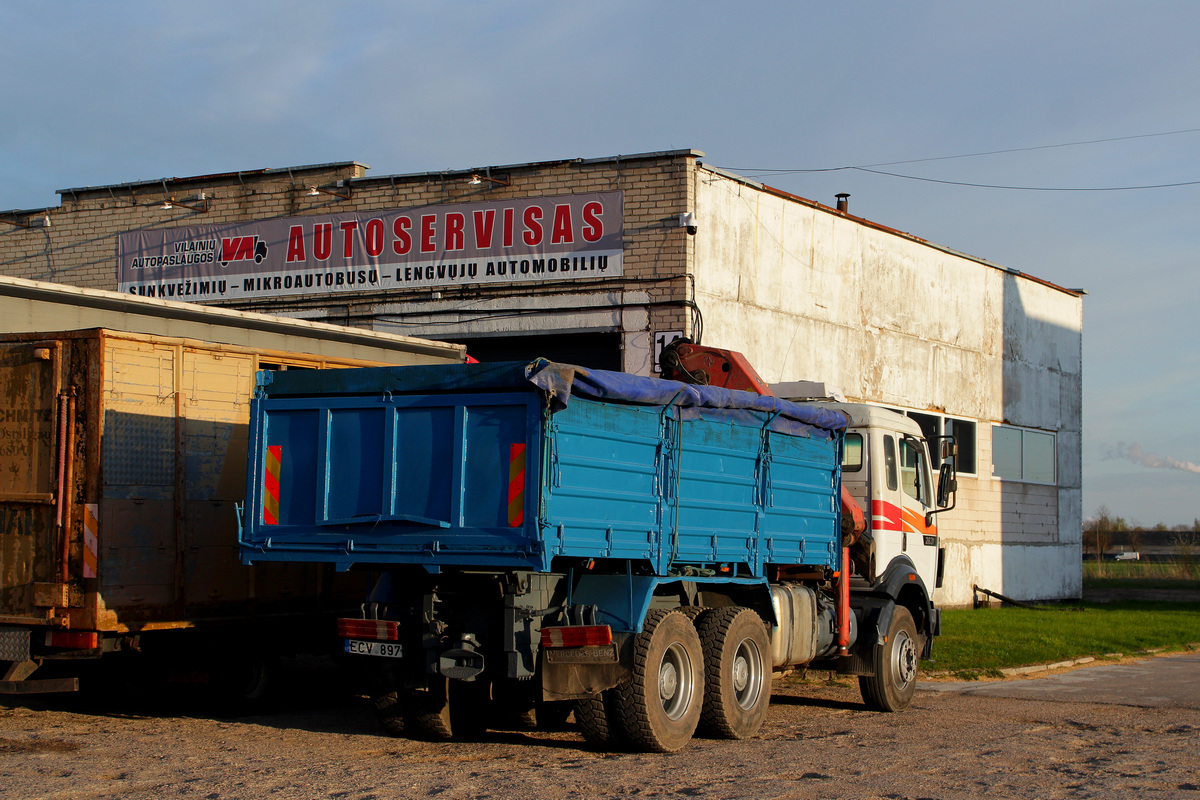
(365,648)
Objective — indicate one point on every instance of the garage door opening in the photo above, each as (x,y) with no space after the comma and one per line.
(595,350)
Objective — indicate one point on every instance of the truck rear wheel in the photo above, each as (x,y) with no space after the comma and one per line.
(427,715)
(597,721)
(389,709)
(737,687)
(892,686)
(447,709)
(659,707)
(243,684)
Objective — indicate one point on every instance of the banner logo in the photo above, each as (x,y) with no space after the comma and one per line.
(242,248)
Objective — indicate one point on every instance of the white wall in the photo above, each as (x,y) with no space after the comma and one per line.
(808,294)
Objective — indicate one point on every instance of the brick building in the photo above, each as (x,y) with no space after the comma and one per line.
(600,262)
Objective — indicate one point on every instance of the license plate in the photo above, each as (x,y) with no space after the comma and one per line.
(366,648)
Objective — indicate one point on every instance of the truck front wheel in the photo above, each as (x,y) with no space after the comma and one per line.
(737,686)
(892,686)
(659,707)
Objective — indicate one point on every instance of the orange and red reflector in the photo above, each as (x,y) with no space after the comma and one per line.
(576,636)
(76,640)
(516,485)
(377,629)
(271,485)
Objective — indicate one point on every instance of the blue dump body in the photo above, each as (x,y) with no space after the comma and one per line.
(514,465)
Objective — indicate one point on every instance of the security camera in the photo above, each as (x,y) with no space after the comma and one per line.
(688,221)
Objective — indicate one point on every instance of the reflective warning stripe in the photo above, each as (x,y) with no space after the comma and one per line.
(91,530)
(916,523)
(271,486)
(516,485)
(885,516)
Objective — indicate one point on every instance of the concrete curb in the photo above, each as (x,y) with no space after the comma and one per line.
(1012,672)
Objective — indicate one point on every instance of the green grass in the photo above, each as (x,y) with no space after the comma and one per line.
(983,641)
(1184,574)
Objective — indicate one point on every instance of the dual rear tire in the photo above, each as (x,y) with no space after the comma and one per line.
(737,673)
(713,676)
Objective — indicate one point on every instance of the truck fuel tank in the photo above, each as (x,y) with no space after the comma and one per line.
(806,626)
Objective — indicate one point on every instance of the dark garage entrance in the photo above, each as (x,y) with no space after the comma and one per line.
(595,350)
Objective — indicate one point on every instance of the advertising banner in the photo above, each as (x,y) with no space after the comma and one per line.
(547,240)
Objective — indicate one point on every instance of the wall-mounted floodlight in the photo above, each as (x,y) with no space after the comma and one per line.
(200,203)
(478,180)
(42,221)
(317,191)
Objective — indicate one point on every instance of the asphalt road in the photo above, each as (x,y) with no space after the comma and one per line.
(1168,682)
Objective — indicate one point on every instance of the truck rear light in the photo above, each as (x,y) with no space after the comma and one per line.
(379,629)
(76,640)
(576,636)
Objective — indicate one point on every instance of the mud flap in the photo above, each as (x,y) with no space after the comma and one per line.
(572,674)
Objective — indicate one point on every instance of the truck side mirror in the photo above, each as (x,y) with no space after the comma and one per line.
(947,486)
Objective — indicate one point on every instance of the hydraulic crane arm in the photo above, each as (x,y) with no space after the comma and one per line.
(684,361)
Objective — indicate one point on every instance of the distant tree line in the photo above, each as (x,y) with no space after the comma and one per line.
(1106,529)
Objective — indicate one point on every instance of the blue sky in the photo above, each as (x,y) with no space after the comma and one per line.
(101,93)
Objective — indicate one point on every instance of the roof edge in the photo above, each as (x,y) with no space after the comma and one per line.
(884,228)
(214,176)
(686,153)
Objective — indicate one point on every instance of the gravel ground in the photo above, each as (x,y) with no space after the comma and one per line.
(819,741)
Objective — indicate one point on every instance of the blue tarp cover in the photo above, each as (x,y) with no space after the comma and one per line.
(713,403)
(560,382)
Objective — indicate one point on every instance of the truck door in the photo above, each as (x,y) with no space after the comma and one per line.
(32,417)
(918,540)
(888,472)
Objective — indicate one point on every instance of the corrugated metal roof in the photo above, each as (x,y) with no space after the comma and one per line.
(125,309)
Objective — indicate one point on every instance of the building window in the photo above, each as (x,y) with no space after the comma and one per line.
(963,431)
(1020,454)
(931,424)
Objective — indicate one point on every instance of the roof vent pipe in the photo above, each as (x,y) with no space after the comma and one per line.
(843,203)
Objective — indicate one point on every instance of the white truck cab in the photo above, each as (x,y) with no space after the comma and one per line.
(886,467)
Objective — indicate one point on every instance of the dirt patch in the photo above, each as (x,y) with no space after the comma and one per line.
(36,745)
(818,741)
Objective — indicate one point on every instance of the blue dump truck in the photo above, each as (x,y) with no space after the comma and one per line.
(546,538)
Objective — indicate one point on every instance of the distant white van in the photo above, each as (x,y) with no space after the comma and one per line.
(1127,557)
